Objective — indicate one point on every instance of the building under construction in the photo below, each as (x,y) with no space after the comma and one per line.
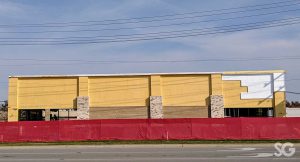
(150,95)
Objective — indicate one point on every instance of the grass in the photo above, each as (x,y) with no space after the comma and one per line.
(129,142)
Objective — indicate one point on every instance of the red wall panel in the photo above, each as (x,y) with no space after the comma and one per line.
(152,129)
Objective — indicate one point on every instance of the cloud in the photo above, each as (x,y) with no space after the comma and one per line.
(12,9)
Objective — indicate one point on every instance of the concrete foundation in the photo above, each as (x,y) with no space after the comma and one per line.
(156,107)
(217,106)
(83,108)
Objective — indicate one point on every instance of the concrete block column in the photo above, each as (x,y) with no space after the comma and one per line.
(47,114)
(83,108)
(217,106)
(156,107)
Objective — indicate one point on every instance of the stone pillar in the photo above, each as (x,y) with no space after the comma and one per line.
(216,106)
(156,107)
(47,114)
(83,108)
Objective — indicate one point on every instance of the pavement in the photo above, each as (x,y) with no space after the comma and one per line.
(150,153)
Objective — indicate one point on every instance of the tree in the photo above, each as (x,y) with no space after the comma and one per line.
(288,104)
(293,104)
(4,105)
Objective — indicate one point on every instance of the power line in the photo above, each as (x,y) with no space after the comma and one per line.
(68,24)
(286,80)
(293,19)
(179,35)
(112,87)
(154,20)
(95,83)
(149,26)
(298,93)
(82,61)
(157,35)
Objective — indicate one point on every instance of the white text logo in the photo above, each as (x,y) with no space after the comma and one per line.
(284,149)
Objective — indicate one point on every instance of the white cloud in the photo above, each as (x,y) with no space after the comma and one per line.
(8,8)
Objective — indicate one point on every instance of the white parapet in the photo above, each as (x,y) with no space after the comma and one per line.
(260,86)
(279,84)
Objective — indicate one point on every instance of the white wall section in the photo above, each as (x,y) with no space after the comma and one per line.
(279,84)
(293,112)
(260,86)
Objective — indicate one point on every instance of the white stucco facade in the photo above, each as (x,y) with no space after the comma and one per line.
(260,86)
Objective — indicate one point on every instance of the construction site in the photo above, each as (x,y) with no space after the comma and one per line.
(143,96)
(149,80)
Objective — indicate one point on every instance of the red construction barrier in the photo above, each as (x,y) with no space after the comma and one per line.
(152,129)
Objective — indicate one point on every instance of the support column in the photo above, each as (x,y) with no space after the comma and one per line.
(156,107)
(13,113)
(216,84)
(83,86)
(279,104)
(216,98)
(155,85)
(47,114)
(83,108)
(216,106)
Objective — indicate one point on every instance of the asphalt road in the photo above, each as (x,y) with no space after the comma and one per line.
(131,153)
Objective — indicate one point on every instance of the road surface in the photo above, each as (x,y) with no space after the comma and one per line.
(145,153)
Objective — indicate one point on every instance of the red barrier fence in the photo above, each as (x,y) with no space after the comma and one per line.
(152,129)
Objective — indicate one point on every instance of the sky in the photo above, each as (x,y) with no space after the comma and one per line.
(277,42)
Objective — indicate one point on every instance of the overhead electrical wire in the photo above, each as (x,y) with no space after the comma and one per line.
(290,92)
(143,27)
(85,23)
(160,36)
(184,60)
(153,36)
(149,26)
(92,62)
(113,87)
(287,80)
(287,20)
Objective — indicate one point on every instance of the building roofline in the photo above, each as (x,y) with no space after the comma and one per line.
(147,74)
(253,72)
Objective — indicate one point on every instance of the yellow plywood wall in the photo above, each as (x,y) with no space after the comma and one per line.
(216,84)
(185,90)
(119,91)
(13,112)
(279,104)
(47,92)
(130,91)
(232,97)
